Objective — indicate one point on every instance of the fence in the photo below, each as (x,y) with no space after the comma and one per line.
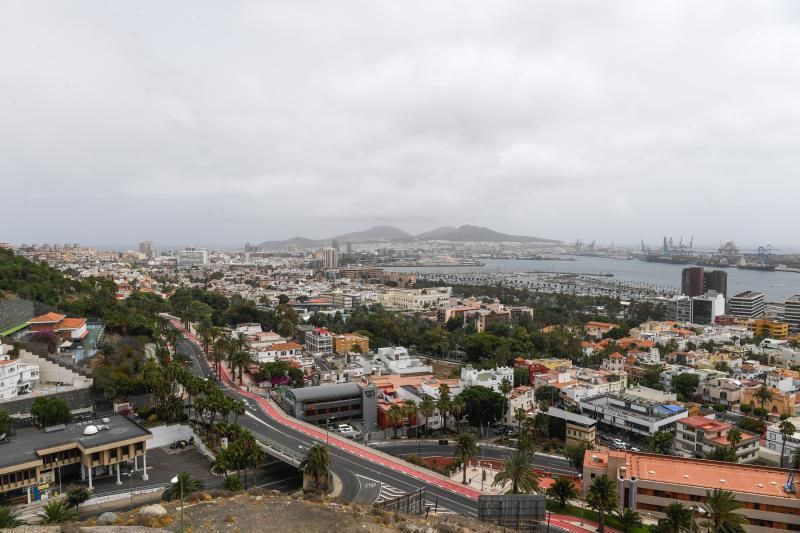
(411,503)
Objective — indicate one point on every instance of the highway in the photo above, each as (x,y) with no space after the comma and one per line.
(364,479)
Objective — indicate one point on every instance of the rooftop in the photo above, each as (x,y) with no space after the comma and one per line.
(23,446)
(706,475)
(49,318)
(705,424)
(321,392)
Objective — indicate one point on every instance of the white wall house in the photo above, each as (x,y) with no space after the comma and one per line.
(16,377)
(491,379)
(396,360)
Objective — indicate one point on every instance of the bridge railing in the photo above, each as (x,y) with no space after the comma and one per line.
(280,451)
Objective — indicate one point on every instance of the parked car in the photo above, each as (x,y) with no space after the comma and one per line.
(179,445)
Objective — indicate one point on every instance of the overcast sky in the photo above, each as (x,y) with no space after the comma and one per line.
(225,122)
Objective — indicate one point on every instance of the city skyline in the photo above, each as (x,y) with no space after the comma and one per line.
(248,122)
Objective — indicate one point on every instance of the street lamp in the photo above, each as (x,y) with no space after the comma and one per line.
(130,476)
(327,427)
(698,509)
(180,486)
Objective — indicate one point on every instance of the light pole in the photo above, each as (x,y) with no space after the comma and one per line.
(177,480)
(130,475)
(698,509)
(327,427)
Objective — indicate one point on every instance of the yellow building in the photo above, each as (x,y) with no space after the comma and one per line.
(773,329)
(347,342)
(780,404)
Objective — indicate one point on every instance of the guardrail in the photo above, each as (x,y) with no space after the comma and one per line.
(280,451)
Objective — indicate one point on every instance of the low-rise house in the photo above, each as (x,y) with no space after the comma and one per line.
(632,413)
(699,437)
(580,430)
(396,360)
(284,351)
(724,391)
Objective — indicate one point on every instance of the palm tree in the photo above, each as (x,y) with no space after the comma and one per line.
(239,408)
(185,485)
(395,416)
(734,437)
(57,512)
(721,506)
(505,388)
(763,395)
(602,497)
(443,404)
(457,408)
(221,346)
(676,518)
(316,465)
(520,415)
(518,469)
(629,519)
(9,518)
(466,448)
(410,410)
(427,407)
(239,359)
(788,430)
(563,490)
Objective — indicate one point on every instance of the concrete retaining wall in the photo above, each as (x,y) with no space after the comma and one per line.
(79,401)
(166,435)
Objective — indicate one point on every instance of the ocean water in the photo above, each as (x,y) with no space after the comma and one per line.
(776,286)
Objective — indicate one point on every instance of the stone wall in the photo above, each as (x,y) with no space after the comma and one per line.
(79,400)
(15,312)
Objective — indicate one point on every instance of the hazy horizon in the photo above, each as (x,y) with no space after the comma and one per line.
(221,123)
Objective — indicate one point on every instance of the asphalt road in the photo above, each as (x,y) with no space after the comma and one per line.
(363,480)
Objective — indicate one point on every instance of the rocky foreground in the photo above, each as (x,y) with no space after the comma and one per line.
(259,511)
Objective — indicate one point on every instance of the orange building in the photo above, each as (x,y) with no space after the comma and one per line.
(346,342)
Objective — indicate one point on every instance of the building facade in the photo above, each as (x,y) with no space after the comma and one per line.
(347,342)
(699,437)
(319,340)
(791,312)
(747,304)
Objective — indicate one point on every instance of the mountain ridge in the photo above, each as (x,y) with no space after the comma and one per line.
(464,233)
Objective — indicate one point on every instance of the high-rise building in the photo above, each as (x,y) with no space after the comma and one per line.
(330,259)
(692,281)
(747,304)
(791,312)
(192,257)
(716,280)
(148,248)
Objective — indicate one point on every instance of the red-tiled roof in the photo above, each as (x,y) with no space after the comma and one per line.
(48,318)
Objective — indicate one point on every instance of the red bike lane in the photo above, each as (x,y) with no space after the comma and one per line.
(347,446)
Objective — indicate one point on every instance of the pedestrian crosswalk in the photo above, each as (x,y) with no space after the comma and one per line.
(388,492)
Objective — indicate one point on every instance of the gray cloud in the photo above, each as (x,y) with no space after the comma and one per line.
(207,122)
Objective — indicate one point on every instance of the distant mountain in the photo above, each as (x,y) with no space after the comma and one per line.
(476,234)
(390,233)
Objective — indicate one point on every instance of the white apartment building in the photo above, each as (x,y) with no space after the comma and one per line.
(192,257)
(775,437)
(491,379)
(415,299)
(16,377)
(396,360)
(699,437)
(319,341)
(622,411)
(330,258)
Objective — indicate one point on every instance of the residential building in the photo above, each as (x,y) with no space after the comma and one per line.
(351,342)
(443,314)
(330,258)
(68,329)
(282,351)
(580,430)
(724,391)
(359,272)
(396,360)
(681,309)
(192,257)
(32,456)
(782,403)
(148,249)
(481,318)
(490,378)
(632,413)
(773,329)
(598,329)
(649,483)
(16,377)
(415,299)
(791,312)
(774,439)
(335,403)
(692,281)
(747,304)
(699,437)
(319,341)
(521,397)
(716,280)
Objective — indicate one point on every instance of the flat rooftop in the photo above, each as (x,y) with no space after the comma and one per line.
(22,446)
(705,475)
